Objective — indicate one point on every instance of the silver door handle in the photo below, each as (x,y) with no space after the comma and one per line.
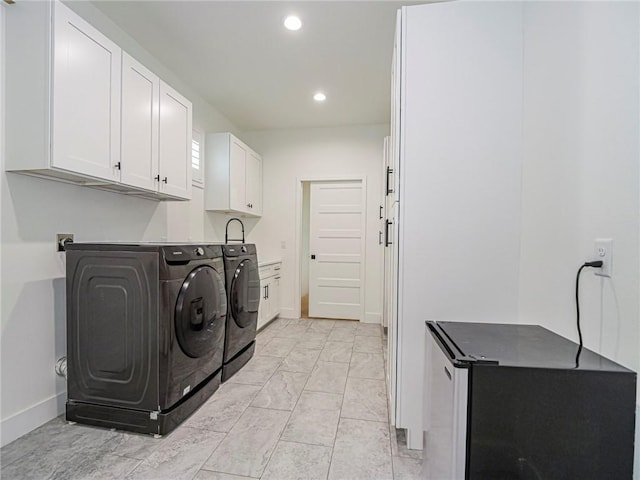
(447,372)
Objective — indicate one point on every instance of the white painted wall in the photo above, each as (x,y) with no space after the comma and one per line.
(33,274)
(581,171)
(290,155)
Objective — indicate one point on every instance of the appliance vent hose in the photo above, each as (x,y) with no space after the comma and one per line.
(61,366)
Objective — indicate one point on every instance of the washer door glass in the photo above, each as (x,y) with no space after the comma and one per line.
(201,309)
(245,293)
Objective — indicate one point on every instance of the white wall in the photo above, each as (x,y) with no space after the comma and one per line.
(290,155)
(581,173)
(33,273)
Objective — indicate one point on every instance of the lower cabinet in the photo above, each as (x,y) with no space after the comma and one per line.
(270,292)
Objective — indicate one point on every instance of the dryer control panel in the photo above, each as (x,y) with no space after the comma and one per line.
(186,253)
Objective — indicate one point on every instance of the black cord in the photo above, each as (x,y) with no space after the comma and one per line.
(596,264)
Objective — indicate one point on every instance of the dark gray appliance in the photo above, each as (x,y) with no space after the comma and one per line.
(517,402)
(145,333)
(243,297)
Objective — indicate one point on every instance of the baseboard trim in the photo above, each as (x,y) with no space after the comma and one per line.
(372,317)
(30,418)
(288,313)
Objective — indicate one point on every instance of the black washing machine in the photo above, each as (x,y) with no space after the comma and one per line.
(145,333)
(243,296)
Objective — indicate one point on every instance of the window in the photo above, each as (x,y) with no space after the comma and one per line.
(197,158)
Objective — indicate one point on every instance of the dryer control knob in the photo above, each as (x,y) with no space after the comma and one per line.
(199,251)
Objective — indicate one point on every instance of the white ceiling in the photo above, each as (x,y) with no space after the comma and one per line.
(238,56)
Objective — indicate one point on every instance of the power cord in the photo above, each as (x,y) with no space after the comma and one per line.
(596,264)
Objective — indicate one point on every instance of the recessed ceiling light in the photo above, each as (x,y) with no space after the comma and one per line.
(292,23)
(319,97)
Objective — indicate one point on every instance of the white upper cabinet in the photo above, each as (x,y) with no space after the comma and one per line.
(81,110)
(237,174)
(140,99)
(234,176)
(175,143)
(86,98)
(253,182)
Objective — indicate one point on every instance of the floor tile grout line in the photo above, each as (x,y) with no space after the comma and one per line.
(288,420)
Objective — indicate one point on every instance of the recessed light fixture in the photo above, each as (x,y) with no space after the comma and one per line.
(319,97)
(292,23)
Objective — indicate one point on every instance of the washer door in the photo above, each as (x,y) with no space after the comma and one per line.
(201,309)
(245,293)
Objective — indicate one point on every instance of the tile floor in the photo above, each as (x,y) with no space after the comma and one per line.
(311,404)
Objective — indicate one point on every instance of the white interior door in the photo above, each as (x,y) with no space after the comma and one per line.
(336,246)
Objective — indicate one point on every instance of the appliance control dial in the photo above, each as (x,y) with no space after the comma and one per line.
(199,251)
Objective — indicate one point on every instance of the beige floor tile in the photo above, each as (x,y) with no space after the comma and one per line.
(281,391)
(361,451)
(328,377)
(297,461)
(365,399)
(366,365)
(247,447)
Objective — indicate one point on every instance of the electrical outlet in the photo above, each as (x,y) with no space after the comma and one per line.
(62,239)
(603,250)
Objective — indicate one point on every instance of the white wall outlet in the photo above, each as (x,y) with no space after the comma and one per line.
(603,250)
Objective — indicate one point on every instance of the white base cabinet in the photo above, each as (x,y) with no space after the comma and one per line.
(233,176)
(80,110)
(270,292)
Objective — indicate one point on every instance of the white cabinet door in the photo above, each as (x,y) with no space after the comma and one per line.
(175,143)
(140,97)
(264,308)
(253,182)
(86,98)
(237,176)
(274,297)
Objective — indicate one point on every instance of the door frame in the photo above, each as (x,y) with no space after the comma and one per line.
(297,284)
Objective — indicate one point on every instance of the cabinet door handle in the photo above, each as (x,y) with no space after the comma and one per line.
(446,371)
(165,179)
(278,278)
(380,213)
(379,238)
(267,291)
(157,178)
(389,172)
(264,295)
(117,165)
(387,242)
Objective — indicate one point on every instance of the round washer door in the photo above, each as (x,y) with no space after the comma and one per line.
(245,293)
(201,309)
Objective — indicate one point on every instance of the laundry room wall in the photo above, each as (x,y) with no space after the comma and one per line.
(33,273)
(581,173)
(311,153)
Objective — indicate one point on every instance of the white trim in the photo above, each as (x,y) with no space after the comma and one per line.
(288,313)
(372,317)
(32,417)
(297,266)
(198,181)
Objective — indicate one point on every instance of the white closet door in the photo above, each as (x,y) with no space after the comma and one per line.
(86,98)
(336,244)
(140,97)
